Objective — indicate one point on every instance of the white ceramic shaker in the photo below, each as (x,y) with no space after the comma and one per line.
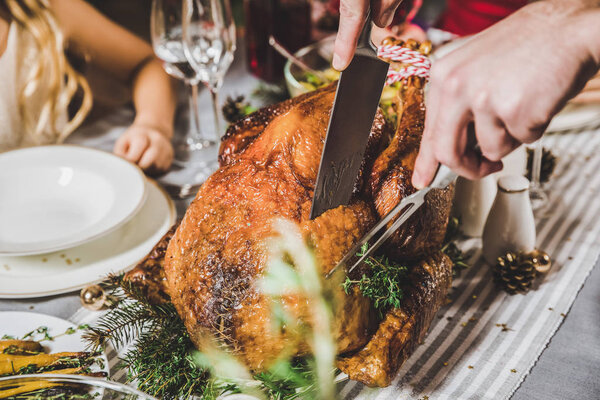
(510,225)
(472,203)
(473,199)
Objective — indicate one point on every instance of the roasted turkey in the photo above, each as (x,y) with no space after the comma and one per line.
(268,167)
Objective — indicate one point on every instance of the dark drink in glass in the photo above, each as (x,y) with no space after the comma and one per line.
(289,21)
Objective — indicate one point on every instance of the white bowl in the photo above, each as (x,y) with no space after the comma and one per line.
(56,197)
(317,55)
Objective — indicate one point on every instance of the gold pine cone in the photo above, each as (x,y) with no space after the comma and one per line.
(515,272)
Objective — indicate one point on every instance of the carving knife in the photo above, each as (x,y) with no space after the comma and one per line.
(356,101)
(381,232)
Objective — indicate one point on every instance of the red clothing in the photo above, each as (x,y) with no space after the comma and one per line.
(406,10)
(466,17)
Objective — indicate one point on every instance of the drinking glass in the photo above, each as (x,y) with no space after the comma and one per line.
(537,194)
(209,44)
(167,34)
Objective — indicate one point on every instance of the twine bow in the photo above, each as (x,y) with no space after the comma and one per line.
(413,63)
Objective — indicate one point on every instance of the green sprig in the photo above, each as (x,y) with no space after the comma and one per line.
(456,255)
(383,282)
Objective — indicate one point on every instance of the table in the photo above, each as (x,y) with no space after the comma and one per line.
(568,367)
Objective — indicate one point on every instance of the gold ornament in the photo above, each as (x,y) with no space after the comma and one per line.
(515,272)
(93,297)
(541,261)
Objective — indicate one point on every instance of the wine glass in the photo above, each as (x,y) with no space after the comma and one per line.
(538,196)
(209,44)
(167,33)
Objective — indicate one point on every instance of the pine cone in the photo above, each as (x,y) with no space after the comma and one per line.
(234,108)
(515,272)
(548,164)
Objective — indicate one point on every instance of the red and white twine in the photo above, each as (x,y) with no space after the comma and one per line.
(415,63)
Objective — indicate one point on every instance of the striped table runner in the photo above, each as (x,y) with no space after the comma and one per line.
(483,344)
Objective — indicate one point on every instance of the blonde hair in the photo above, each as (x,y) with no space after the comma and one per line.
(50,67)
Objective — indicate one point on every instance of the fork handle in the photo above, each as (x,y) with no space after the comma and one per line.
(443,177)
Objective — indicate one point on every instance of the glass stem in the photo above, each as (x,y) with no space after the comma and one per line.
(215,102)
(195,136)
(536,166)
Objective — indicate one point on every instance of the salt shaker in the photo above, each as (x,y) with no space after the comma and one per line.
(472,203)
(510,225)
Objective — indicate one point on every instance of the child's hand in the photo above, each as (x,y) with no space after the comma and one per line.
(145,146)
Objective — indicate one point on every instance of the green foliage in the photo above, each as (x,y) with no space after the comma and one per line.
(236,108)
(42,333)
(456,255)
(383,282)
(160,352)
(288,380)
(161,362)
(268,94)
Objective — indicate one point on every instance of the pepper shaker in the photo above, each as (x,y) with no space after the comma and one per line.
(472,203)
(510,225)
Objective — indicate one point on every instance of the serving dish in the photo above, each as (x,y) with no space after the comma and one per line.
(91,388)
(56,335)
(57,197)
(68,270)
(317,55)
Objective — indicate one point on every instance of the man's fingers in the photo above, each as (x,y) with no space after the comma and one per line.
(456,149)
(427,162)
(425,166)
(383,11)
(352,19)
(473,165)
(493,139)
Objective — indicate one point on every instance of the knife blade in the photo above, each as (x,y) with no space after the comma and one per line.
(356,100)
(405,208)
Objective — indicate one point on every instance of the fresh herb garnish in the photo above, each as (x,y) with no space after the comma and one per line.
(44,332)
(383,283)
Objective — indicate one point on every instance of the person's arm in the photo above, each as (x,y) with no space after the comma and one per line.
(507,83)
(130,59)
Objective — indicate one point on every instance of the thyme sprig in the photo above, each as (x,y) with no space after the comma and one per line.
(44,332)
(383,282)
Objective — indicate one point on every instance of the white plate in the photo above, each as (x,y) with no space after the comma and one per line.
(56,197)
(68,270)
(17,324)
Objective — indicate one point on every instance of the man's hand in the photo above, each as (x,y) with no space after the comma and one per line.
(506,83)
(147,147)
(352,19)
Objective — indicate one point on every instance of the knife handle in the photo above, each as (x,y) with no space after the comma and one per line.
(443,177)
(364,40)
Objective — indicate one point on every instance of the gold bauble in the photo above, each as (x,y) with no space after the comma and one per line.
(93,297)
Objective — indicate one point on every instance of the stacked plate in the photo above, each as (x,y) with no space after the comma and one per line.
(71,215)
